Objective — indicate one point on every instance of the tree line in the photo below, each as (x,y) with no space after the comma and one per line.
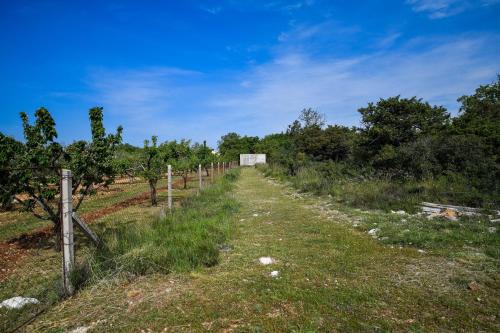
(30,170)
(399,139)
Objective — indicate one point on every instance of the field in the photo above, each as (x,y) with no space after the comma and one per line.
(31,267)
(331,275)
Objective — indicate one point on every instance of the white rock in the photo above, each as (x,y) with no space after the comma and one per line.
(420,251)
(492,230)
(373,231)
(400,212)
(266,260)
(275,274)
(255,215)
(18,302)
(81,329)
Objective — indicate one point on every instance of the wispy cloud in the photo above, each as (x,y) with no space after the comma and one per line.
(274,93)
(212,10)
(438,9)
(176,103)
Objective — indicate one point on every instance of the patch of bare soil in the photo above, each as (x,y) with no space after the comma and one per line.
(10,256)
(12,251)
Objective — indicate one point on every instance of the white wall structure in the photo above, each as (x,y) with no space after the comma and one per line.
(252,159)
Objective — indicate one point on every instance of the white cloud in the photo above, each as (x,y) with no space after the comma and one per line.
(339,86)
(211,10)
(175,103)
(437,9)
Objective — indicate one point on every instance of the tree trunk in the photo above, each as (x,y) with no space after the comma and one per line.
(58,237)
(185,181)
(208,174)
(154,200)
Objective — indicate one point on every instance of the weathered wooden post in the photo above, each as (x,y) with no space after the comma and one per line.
(218,168)
(223,167)
(67,230)
(212,172)
(169,186)
(199,176)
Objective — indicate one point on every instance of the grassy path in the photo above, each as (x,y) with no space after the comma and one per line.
(331,278)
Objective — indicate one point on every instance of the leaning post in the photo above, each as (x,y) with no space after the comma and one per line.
(67,230)
(199,176)
(212,172)
(169,186)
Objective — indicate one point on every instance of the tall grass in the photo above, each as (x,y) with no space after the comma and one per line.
(365,190)
(188,237)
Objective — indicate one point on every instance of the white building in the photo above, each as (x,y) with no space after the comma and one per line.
(252,159)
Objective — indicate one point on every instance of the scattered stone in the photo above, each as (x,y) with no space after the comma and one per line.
(81,329)
(373,232)
(255,215)
(18,302)
(492,230)
(420,251)
(275,274)
(241,220)
(225,248)
(266,260)
(399,212)
(473,286)
(495,220)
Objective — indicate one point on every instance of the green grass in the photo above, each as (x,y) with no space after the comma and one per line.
(333,278)
(350,187)
(38,273)
(378,198)
(15,223)
(186,238)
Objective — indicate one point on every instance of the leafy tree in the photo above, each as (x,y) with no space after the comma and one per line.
(39,160)
(10,151)
(205,155)
(312,118)
(337,143)
(127,160)
(480,116)
(152,166)
(274,146)
(232,145)
(182,158)
(394,121)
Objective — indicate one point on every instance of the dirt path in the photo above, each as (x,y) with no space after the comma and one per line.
(327,278)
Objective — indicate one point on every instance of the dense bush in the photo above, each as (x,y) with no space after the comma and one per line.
(405,151)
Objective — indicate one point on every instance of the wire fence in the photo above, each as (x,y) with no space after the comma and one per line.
(32,270)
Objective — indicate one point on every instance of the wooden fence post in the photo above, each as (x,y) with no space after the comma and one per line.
(199,176)
(223,167)
(218,168)
(212,172)
(169,186)
(67,230)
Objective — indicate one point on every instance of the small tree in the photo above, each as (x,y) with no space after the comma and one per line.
(152,166)
(394,122)
(204,155)
(34,167)
(182,158)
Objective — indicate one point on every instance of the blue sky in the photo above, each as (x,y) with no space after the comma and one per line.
(199,69)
